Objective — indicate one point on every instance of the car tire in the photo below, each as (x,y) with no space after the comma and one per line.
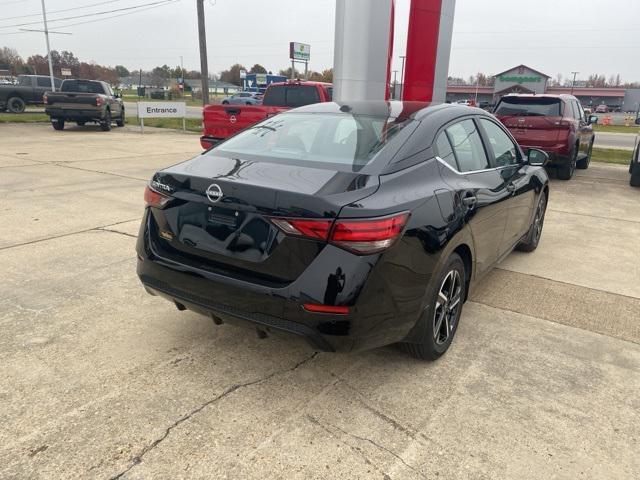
(440,319)
(224,102)
(105,124)
(634,181)
(57,123)
(248,103)
(121,121)
(16,105)
(565,171)
(583,164)
(531,240)
(81,124)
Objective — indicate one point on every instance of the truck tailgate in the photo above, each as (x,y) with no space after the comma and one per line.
(72,100)
(222,121)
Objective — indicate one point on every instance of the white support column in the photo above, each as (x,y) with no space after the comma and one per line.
(362,43)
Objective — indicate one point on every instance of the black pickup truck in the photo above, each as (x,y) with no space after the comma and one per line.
(83,101)
(28,90)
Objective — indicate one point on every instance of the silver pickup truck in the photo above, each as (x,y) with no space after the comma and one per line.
(84,101)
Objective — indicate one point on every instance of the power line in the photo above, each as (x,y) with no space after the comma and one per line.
(63,10)
(90,14)
(167,2)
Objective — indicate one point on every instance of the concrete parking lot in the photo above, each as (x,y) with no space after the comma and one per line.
(100,380)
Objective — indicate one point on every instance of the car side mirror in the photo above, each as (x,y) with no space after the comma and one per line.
(638,121)
(537,157)
(593,119)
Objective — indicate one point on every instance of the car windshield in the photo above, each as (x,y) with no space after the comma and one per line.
(529,106)
(81,87)
(349,140)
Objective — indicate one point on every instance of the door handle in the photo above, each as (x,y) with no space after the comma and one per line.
(511,188)
(470,200)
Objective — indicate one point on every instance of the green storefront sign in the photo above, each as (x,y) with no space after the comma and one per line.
(520,79)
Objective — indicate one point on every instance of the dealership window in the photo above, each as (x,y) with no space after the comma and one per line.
(504,151)
(467,146)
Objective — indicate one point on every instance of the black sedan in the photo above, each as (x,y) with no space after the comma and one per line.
(353,225)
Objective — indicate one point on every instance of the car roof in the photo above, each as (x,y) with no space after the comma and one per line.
(541,95)
(393,108)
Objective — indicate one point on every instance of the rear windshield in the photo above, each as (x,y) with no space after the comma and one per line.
(291,96)
(349,140)
(81,87)
(529,106)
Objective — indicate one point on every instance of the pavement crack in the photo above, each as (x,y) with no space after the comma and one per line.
(356,450)
(58,164)
(228,391)
(103,229)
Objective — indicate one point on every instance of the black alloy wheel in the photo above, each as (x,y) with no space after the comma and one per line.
(530,242)
(439,320)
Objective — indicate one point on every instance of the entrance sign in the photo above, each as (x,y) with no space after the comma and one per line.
(162,110)
(66,72)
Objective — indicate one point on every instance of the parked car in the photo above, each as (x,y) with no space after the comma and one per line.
(634,165)
(243,98)
(223,121)
(352,225)
(28,90)
(556,124)
(83,101)
(467,103)
(602,109)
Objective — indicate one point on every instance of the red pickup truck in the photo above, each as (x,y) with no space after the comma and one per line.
(222,121)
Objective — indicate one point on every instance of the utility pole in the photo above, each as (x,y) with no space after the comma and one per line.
(204,69)
(182,70)
(574,81)
(46,36)
(403,57)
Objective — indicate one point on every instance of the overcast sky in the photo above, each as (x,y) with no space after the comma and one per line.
(553,36)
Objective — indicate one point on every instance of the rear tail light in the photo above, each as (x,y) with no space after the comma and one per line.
(99,101)
(316,229)
(361,236)
(45,99)
(330,309)
(152,198)
(368,236)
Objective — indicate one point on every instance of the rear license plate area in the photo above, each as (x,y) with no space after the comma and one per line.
(223,218)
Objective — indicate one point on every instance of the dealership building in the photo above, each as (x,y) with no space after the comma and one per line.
(523,79)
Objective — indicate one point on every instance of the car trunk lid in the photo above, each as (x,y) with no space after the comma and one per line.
(219,218)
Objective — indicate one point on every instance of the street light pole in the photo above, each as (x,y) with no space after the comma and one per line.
(46,36)
(204,69)
(574,81)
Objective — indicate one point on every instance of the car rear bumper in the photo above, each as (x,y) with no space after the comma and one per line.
(75,114)
(558,154)
(380,313)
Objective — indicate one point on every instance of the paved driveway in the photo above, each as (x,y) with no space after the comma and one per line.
(100,380)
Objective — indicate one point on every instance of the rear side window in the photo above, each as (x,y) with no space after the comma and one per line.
(291,96)
(467,146)
(529,106)
(44,82)
(445,151)
(79,86)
